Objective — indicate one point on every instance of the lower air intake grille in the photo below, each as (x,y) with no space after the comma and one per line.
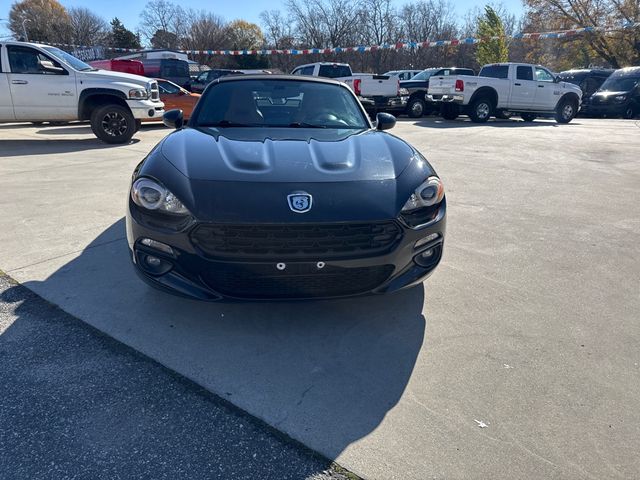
(296,281)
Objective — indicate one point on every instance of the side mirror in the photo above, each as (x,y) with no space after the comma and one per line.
(385,121)
(557,79)
(49,67)
(173,118)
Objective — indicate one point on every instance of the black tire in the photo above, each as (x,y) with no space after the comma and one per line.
(37,124)
(415,108)
(113,124)
(480,110)
(629,112)
(528,117)
(566,110)
(503,115)
(138,124)
(449,111)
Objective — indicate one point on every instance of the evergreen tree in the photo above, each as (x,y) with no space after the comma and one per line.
(491,50)
(120,37)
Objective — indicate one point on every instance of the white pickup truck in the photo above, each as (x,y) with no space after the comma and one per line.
(376,92)
(504,89)
(40,83)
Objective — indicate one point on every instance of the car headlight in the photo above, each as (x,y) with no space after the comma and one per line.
(148,194)
(620,98)
(138,94)
(429,193)
(403,92)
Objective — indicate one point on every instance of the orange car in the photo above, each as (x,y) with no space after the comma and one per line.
(174,96)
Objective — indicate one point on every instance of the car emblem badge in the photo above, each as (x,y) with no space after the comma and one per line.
(299,202)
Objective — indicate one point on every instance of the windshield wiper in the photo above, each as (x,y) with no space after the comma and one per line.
(305,125)
(226,124)
(89,69)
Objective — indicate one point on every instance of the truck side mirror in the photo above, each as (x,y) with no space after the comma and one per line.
(173,118)
(49,67)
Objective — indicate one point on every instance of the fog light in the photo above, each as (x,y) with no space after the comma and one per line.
(425,240)
(153,265)
(427,254)
(429,257)
(152,261)
(151,113)
(162,247)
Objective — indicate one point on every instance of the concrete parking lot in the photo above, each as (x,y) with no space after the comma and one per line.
(518,359)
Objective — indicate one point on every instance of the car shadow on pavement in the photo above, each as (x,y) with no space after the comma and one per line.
(78,404)
(32,146)
(325,373)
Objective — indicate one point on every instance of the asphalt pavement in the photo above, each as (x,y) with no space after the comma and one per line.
(518,359)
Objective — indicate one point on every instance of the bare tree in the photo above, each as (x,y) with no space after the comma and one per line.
(278,32)
(164,16)
(87,28)
(617,49)
(325,23)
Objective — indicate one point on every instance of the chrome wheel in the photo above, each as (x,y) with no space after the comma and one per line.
(567,111)
(416,109)
(114,124)
(482,110)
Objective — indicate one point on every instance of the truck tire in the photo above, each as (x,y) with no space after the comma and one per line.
(528,117)
(138,125)
(113,123)
(480,110)
(415,108)
(449,111)
(566,110)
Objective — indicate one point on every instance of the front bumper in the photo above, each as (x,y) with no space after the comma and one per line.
(187,271)
(613,109)
(146,109)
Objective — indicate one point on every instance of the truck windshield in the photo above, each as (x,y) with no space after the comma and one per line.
(425,74)
(69,59)
(334,71)
(278,104)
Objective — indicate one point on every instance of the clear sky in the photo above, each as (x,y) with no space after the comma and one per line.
(129,10)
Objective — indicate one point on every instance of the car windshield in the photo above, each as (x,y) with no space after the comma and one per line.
(619,84)
(425,74)
(168,87)
(69,59)
(279,103)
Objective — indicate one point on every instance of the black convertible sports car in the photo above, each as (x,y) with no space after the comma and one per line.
(281,188)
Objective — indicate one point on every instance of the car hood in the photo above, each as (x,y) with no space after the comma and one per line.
(605,97)
(286,154)
(117,76)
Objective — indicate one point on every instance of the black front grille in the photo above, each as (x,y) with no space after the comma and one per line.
(302,241)
(296,281)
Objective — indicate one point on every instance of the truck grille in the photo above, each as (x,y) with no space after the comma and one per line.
(264,281)
(302,241)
